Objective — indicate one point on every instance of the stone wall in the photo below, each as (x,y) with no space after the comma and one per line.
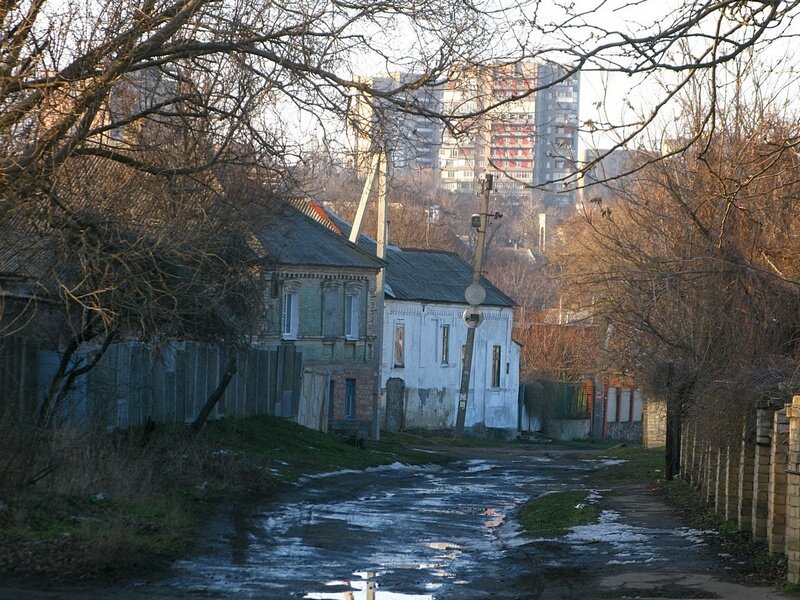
(654,423)
(755,481)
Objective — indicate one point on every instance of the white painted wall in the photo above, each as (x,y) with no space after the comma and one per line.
(432,385)
(611,405)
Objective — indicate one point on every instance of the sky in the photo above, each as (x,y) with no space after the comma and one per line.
(617,100)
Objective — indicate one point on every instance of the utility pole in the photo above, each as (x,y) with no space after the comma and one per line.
(378,165)
(473,296)
(380,284)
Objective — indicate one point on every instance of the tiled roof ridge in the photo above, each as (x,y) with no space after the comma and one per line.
(313,209)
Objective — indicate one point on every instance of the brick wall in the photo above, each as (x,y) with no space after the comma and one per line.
(365,386)
(776,504)
(761,473)
(792,542)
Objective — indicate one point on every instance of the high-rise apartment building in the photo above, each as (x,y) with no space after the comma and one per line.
(496,123)
(556,133)
(400,126)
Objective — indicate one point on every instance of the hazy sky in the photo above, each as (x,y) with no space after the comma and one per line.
(548,31)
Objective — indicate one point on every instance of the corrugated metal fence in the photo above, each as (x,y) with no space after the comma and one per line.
(559,399)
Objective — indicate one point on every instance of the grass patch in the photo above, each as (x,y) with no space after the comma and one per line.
(554,514)
(444,439)
(641,466)
(287,450)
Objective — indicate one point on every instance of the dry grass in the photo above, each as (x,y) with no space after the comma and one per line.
(111,504)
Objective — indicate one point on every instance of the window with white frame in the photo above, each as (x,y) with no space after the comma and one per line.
(352,310)
(290,317)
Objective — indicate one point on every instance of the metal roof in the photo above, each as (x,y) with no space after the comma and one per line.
(423,275)
(290,237)
(435,276)
(27,255)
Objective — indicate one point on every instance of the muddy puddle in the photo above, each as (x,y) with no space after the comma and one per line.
(407,533)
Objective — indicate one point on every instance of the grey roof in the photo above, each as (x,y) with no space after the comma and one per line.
(424,275)
(292,238)
(434,276)
(27,257)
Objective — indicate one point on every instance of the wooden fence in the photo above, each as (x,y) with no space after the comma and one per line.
(19,376)
(134,382)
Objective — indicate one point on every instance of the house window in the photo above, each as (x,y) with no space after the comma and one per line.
(445,344)
(496,356)
(331,317)
(290,318)
(399,344)
(351,311)
(350,398)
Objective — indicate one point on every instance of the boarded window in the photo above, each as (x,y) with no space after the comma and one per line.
(624,413)
(399,344)
(331,319)
(496,361)
(445,344)
(637,406)
(350,398)
(611,405)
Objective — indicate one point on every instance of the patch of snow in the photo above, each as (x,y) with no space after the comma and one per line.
(694,536)
(593,497)
(478,468)
(606,530)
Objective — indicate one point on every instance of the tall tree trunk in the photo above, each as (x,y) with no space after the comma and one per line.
(673,451)
(216,395)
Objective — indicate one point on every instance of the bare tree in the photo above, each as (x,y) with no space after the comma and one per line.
(229,69)
(691,265)
(147,260)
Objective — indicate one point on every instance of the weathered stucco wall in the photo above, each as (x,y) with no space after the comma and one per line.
(321,295)
(321,336)
(432,376)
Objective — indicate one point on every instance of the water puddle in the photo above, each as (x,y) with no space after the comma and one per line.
(405,533)
(363,588)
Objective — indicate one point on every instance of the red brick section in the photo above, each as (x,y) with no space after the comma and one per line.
(366,386)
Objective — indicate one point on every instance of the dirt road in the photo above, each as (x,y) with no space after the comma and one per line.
(425,533)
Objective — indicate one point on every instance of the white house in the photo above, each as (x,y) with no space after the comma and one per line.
(423,340)
(423,337)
